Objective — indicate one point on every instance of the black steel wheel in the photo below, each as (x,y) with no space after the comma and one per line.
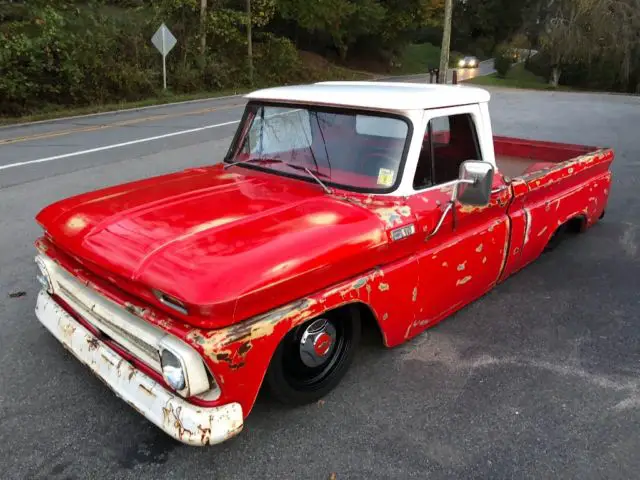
(313,357)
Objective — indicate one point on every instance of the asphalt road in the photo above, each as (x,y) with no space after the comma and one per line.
(538,379)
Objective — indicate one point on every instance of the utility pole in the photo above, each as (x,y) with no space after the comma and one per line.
(446,40)
(203,27)
(249,43)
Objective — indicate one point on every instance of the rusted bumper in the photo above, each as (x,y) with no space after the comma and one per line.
(185,422)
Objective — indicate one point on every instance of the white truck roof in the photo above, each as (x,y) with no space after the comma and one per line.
(375,95)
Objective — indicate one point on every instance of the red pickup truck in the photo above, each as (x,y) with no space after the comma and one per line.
(337,204)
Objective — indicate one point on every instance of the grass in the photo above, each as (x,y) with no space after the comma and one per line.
(419,57)
(517,77)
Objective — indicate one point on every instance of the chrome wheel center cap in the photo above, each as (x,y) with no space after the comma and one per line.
(317,343)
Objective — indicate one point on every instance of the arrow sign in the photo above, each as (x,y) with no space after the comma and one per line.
(164,41)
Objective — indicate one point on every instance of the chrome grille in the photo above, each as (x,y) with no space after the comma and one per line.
(135,335)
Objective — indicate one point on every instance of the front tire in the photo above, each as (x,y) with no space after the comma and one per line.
(314,357)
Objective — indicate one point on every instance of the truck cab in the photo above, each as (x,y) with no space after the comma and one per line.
(337,205)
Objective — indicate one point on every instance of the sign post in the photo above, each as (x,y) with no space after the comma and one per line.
(164,41)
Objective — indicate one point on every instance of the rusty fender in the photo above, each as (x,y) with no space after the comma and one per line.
(239,355)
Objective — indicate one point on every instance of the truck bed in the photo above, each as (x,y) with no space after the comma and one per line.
(517,157)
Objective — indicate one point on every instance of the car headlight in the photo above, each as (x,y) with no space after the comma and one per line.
(173,371)
(43,275)
(461,63)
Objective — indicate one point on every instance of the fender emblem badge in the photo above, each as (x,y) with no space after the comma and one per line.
(402,232)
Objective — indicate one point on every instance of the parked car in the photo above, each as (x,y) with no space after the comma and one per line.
(468,62)
(337,203)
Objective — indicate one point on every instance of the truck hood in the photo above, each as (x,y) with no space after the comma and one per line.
(227,244)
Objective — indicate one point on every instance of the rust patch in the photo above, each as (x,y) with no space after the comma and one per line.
(146,390)
(173,416)
(205,434)
(464,280)
(244,348)
(92,343)
(107,359)
(383,287)
(131,308)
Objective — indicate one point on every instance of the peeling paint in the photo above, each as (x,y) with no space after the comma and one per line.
(414,297)
(527,215)
(462,266)
(385,317)
(484,259)
(445,264)
(479,248)
(464,280)
(383,287)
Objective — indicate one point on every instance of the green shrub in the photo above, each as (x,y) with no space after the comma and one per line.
(503,60)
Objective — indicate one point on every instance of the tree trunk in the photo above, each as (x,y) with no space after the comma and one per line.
(203,27)
(249,43)
(555,76)
(446,40)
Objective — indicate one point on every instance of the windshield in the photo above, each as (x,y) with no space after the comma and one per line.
(348,149)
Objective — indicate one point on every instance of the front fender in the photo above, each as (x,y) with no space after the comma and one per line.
(239,355)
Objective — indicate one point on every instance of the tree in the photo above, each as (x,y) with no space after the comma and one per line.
(576,31)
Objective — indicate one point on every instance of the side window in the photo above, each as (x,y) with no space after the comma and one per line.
(448,141)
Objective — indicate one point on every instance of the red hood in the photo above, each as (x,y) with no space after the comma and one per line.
(233,244)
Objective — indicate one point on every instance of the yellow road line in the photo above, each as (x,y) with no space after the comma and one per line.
(123,123)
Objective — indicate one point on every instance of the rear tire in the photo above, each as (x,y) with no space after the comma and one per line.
(314,357)
(556,238)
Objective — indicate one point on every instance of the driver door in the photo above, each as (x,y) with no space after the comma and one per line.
(463,251)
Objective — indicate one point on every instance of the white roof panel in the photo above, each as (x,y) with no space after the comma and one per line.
(375,95)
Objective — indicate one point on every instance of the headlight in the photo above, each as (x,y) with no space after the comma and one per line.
(172,371)
(461,63)
(43,275)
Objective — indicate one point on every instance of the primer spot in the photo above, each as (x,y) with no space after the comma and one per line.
(405,211)
(360,283)
(464,280)
(462,266)
(479,248)
(385,316)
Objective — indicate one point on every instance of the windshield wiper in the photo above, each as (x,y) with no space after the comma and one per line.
(250,161)
(290,165)
(320,182)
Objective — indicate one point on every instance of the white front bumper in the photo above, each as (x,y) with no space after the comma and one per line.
(185,422)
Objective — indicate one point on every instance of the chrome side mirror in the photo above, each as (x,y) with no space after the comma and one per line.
(474,183)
